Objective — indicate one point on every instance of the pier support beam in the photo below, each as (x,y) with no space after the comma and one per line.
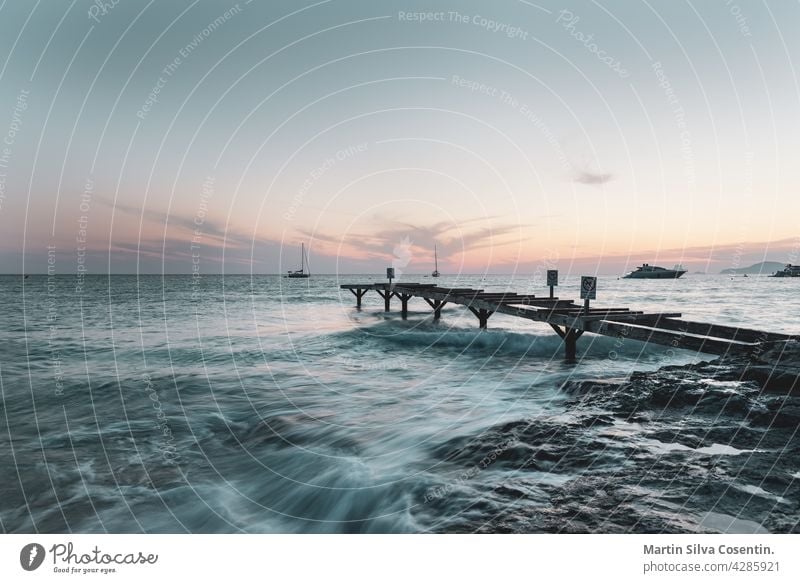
(482,314)
(437,306)
(404,301)
(570,337)
(570,345)
(387,298)
(359,293)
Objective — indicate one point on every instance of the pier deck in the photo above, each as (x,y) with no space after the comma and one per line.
(571,320)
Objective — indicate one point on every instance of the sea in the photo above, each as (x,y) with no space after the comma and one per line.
(261,404)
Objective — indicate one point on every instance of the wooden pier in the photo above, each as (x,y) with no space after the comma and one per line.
(571,320)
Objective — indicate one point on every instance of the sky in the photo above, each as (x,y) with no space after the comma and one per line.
(216,137)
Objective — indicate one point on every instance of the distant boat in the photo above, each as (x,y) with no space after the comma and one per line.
(436,263)
(301,273)
(648,271)
(788,271)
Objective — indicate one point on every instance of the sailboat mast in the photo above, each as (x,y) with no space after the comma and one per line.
(302,257)
(435,258)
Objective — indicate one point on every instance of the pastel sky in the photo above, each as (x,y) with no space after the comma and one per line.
(154,136)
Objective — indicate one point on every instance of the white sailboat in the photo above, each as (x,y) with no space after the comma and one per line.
(436,263)
(301,273)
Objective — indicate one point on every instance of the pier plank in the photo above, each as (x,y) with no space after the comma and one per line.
(715,330)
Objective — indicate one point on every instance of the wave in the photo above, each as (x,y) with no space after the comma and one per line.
(544,343)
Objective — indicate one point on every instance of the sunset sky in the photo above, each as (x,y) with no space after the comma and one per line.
(511,134)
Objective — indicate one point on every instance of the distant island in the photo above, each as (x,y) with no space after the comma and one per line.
(765,267)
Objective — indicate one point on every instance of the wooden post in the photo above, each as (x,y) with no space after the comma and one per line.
(437,306)
(570,337)
(404,301)
(482,315)
(552,279)
(387,298)
(588,291)
(359,293)
(570,345)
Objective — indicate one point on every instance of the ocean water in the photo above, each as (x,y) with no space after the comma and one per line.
(263,404)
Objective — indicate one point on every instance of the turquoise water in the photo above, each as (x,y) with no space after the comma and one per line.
(228,404)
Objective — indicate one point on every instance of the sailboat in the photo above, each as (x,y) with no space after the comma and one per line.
(301,273)
(436,263)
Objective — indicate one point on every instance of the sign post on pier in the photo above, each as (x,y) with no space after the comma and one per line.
(390,274)
(588,290)
(552,279)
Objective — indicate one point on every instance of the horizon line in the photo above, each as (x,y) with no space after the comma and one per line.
(105,274)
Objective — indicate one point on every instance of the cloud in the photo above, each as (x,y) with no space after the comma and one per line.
(586,177)
(188,224)
(450,239)
(219,248)
(233,246)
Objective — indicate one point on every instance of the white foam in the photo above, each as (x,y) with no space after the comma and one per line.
(661,447)
(721,384)
(713,449)
(622,429)
(721,449)
(756,491)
